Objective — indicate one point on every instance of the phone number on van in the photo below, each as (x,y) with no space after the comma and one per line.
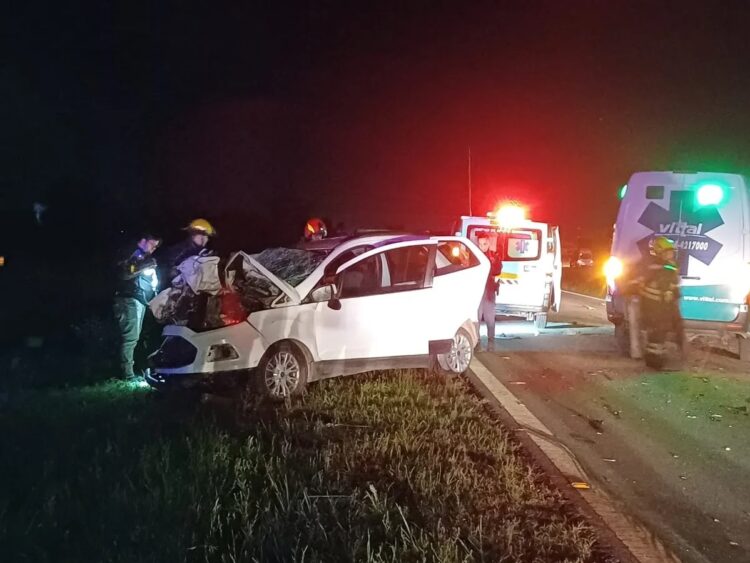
(691,245)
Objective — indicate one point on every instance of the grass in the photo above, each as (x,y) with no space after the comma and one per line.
(588,281)
(402,466)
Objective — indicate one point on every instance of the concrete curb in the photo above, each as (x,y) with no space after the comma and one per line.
(627,540)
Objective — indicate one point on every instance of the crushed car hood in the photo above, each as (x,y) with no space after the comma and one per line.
(252,269)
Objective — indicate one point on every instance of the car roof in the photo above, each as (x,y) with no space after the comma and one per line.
(371,238)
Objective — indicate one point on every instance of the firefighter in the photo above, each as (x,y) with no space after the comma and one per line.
(315,229)
(658,286)
(136,286)
(487,305)
(200,232)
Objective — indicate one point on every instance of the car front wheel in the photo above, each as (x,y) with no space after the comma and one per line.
(458,359)
(282,373)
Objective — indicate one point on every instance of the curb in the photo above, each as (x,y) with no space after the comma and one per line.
(627,540)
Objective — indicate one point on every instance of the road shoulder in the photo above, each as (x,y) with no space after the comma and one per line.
(627,539)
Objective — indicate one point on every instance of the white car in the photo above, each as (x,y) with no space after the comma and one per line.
(374,302)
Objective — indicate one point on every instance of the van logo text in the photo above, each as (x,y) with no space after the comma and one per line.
(688,226)
(680,228)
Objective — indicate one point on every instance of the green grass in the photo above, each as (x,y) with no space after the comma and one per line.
(402,466)
(588,281)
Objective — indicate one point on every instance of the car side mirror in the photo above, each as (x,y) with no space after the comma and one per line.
(323,293)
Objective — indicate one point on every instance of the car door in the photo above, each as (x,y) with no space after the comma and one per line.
(556,270)
(385,297)
(460,277)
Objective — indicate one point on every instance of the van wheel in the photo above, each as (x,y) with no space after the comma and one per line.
(459,358)
(282,373)
(744,346)
(540,320)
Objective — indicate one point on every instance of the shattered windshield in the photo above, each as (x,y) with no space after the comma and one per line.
(292,265)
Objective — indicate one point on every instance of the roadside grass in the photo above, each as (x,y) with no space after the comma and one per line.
(401,466)
(588,281)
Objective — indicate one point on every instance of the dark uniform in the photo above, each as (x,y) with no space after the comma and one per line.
(173,256)
(487,305)
(134,290)
(658,285)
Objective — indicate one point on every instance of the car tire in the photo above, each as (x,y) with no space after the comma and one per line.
(457,361)
(540,320)
(282,373)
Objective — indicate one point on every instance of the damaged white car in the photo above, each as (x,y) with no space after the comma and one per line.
(369,302)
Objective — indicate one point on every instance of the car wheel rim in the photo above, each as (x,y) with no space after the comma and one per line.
(282,374)
(459,357)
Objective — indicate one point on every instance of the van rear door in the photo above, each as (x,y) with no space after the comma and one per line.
(705,214)
(710,246)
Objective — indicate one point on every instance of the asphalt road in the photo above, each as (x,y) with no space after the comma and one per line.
(671,447)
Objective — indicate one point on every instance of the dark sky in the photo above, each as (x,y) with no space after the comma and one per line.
(256,115)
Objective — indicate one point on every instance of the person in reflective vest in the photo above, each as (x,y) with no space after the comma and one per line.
(658,286)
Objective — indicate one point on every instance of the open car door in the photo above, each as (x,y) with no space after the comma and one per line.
(556,269)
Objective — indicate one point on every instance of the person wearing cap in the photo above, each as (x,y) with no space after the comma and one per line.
(136,285)
(199,232)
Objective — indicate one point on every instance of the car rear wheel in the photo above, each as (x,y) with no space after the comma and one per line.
(458,359)
(282,373)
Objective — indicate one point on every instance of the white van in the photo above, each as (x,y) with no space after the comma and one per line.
(708,216)
(529,285)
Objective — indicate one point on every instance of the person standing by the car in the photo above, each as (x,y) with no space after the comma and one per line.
(487,305)
(200,232)
(136,286)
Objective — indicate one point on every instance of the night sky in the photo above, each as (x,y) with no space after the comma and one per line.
(136,115)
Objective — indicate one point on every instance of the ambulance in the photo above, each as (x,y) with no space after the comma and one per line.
(530,282)
(707,215)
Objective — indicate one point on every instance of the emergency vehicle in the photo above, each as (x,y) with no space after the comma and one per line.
(707,215)
(530,282)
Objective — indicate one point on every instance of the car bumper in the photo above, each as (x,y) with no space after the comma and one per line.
(246,343)
(187,381)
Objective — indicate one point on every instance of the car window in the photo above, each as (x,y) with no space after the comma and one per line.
(345,256)
(407,266)
(453,256)
(363,278)
(400,269)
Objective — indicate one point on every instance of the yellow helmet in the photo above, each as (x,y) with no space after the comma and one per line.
(662,244)
(201,226)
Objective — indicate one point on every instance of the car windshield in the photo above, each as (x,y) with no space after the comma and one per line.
(586,255)
(292,265)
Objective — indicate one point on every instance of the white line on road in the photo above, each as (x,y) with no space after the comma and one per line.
(583,295)
(641,543)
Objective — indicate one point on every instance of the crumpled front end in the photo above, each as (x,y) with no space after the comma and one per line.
(190,356)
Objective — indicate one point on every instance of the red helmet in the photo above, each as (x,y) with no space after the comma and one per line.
(315,229)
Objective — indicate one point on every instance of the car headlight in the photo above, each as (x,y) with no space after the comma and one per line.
(612,270)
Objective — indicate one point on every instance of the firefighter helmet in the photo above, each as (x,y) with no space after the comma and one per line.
(315,229)
(201,226)
(662,244)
